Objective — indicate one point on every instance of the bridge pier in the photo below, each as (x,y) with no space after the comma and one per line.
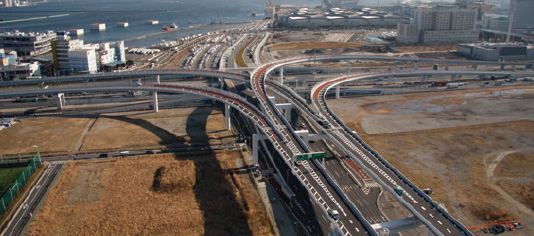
(155,102)
(416,65)
(221,83)
(281,75)
(60,101)
(227,114)
(256,138)
(307,137)
(348,67)
(338,91)
(475,67)
(446,66)
(284,106)
(502,67)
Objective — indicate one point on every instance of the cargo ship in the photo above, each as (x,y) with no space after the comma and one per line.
(170,27)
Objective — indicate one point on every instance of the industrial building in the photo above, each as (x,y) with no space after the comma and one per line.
(497,51)
(441,24)
(27,44)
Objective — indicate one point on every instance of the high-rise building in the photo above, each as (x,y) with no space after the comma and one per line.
(440,25)
(522,14)
(60,50)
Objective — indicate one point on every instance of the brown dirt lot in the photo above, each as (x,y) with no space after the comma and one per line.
(313,45)
(452,158)
(50,134)
(197,195)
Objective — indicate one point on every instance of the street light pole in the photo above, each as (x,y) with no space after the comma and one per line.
(38,154)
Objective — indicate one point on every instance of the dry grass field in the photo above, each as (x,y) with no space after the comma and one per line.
(455,150)
(313,45)
(50,134)
(183,126)
(157,195)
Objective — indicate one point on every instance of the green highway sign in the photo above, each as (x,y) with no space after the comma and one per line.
(313,156)
(316,156)
(301,157)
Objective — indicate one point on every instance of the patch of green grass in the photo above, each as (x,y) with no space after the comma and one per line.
(7,176)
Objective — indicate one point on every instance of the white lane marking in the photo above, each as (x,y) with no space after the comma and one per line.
(449,231)
(351,221)
(424,209)
(440,222)
(431,216)
(357,230)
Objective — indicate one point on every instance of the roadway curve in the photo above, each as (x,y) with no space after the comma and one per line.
(321,186)
(384,173)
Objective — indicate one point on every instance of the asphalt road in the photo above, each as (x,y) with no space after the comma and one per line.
(24,213)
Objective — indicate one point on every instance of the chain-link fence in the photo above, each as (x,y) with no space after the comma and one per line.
(19,183)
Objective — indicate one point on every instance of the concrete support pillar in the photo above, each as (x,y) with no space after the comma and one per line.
(155,102)
(446,66)
(227,123)
(453,77)
(348,67)
(338,91)
(304,135)
(475,67)
(255,146)
(281,75)
(221,83)
(502,67)
(416,65)
(60,101)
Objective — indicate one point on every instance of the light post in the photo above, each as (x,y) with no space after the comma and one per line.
(38,155)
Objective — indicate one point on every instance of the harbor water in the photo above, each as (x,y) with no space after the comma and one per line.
(192,16)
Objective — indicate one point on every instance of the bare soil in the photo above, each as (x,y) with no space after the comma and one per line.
(196,195)
(450,149)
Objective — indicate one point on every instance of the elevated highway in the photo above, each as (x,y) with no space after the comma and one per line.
(445,224)
(321,186)
(416,201)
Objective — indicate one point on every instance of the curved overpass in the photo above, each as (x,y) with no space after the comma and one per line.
(258,84)
(426,210)
(322,188)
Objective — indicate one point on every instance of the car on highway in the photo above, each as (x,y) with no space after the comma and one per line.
(399,190)
(334,214)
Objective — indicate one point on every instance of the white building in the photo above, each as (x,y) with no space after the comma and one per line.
(60,50)
(83,60)
(440,25)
